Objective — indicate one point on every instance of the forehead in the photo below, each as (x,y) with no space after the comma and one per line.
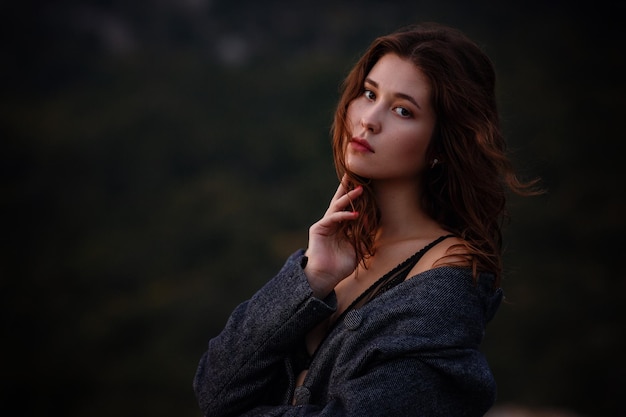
(400,75)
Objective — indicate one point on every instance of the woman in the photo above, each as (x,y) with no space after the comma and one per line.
(384,312)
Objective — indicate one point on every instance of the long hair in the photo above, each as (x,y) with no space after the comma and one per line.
(465,192)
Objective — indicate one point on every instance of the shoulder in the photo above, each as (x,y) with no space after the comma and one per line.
(442,298)
(449,252)
(439,307)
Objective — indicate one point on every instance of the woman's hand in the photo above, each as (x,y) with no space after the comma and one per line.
(330,257)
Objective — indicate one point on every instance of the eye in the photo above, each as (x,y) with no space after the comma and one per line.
(369,94)
(402,112)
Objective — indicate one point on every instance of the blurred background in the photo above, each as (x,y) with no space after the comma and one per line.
(160,159)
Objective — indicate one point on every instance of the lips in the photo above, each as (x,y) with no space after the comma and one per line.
(361,145)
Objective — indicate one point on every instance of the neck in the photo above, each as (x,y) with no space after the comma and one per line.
(402,215)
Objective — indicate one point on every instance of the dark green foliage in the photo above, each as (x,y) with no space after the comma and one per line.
(160,160)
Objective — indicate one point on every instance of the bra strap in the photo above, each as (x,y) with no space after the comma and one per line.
(399,274)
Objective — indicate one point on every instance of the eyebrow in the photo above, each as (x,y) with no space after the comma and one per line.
(400,95)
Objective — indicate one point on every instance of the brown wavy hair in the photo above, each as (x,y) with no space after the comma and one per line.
(465,192)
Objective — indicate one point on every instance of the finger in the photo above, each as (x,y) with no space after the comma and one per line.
(328,224)
(341,190)
(346,200)
(349,187)
(343,187)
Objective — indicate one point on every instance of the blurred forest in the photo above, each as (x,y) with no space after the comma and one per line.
(160,159)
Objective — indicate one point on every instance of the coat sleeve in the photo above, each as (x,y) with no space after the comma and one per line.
(390,369)
(245,364)
(419,358)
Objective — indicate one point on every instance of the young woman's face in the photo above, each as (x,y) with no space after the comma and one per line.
(391,122)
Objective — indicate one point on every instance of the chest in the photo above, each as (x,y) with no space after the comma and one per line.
(385,268)
(352,292)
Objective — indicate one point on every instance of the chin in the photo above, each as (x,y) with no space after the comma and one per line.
(358,171)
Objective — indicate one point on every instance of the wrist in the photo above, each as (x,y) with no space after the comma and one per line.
(319,282)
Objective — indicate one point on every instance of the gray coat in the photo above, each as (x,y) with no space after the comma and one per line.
(412,351)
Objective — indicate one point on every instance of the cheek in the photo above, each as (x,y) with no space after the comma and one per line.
(413,141)
(411,148)
(353,112)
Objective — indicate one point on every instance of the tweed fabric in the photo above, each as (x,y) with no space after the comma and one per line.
(412,351)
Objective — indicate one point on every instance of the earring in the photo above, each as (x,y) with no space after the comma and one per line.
(435,161)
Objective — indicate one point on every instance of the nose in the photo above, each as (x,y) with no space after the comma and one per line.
(370,120)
